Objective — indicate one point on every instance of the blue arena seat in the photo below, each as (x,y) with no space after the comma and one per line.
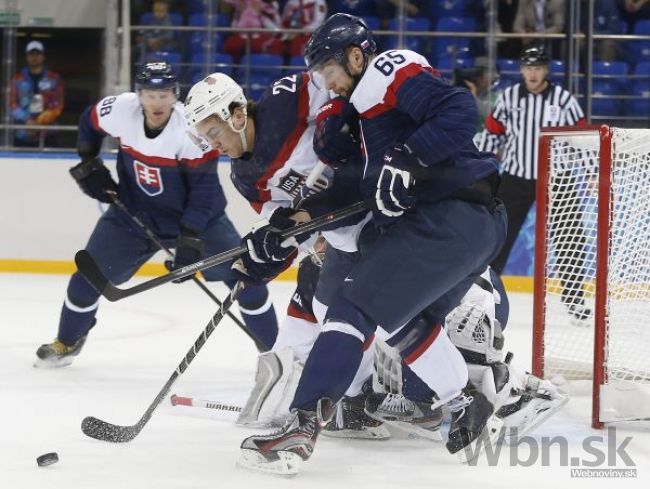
(372,22)
(222,63)
(148,19)
(197,41)
(641,49)
(414,43)
(639,106)
(603,103)
(445,46)
(172,57)
(264,69)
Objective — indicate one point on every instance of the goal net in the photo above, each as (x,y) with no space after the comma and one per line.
(592,266)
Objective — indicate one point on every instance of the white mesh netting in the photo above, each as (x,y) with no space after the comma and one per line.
(571,257)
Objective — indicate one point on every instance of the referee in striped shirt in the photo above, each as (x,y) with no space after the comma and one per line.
(512,131)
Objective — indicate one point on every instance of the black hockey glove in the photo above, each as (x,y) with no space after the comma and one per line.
(94,179)
(395,184)
(264,242)
(335,139)
(189,248)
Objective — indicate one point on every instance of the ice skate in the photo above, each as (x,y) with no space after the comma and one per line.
(283,452)
(472,425)
(58,354)
(538,402)
(351,421)
(406,415)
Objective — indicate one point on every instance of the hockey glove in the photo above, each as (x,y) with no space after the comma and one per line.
(255,273)
(336,125)
(264,242)
(94,179)
(395,183)
(189,248)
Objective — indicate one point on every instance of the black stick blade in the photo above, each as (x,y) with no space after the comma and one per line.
(89,269)
(103,431)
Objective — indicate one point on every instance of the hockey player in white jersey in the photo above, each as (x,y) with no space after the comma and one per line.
(271,146)
(168,184)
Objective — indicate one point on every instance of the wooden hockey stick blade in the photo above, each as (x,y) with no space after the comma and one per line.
(89,269)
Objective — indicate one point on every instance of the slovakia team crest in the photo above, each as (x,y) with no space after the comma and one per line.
(148,178)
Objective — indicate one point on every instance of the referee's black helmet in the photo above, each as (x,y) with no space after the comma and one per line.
(535,56)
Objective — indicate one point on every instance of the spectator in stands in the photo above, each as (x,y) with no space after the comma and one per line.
(158,40)
(254,14)
(606,21)
(389,9)
(540,16)
(506,11)
(36,97)
(302,14)
(360,8)
(633,11)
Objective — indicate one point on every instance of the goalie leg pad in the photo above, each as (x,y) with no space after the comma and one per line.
(276,381)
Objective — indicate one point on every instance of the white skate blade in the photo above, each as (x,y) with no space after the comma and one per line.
(49,364)
(490,434)
(287,465)
(528,425)
(367,433)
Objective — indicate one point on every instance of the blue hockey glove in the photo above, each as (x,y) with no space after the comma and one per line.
(264,242)
(395,183)
(334,139)
(255,273)
(189,248)
(94,179)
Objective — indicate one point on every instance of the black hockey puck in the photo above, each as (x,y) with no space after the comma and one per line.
(47,459)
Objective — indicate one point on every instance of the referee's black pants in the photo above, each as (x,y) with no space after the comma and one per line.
(518,195)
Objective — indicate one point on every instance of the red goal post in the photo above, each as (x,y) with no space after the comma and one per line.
(592,265)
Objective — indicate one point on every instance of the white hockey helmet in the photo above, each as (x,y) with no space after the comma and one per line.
(213,96)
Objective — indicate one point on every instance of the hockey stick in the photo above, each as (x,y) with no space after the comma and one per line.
(158,242)
(177,400)
(104,431)
(94,275)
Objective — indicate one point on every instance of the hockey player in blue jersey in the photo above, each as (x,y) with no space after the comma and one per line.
(436,226)
(271,146)
(170,185)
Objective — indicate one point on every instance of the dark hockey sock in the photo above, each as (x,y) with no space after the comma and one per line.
(414,388)
(259,314)
(329,370)
(79,310)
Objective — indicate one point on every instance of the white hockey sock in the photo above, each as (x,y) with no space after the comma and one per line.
(439,364)
(365,368)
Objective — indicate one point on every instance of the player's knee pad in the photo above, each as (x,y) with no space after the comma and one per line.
(342,315)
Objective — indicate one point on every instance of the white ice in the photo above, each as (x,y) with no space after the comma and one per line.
(135,347)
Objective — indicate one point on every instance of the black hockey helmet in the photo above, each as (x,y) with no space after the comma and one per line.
(535,56)
(334,36)
(157,76)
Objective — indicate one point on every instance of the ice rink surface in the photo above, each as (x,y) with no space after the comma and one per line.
(135,347)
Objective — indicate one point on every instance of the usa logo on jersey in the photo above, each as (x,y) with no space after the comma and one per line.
(148,178)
